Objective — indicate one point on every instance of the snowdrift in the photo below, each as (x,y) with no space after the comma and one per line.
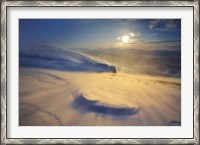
(59,59)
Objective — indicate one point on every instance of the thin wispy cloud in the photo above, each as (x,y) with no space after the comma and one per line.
(154,34)
(163,41)
(172,45)
(153,24)
(132,36)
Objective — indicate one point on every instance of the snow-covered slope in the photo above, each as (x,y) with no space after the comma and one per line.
(59,59)
(55,88)
(49,97)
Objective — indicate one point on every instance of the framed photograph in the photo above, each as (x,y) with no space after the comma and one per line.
(96,72)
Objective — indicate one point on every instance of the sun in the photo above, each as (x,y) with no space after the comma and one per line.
(125,39)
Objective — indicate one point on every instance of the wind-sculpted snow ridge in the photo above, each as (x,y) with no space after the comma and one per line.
(59,59)
(84,105)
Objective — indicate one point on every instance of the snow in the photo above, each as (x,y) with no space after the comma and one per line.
(52,97)
(54,58)
(59,87)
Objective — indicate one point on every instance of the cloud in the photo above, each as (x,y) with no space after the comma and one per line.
(132,37)
(172,45)
(171,24)
(164,24)
(154,34)
(151,45)
(153,24)
(163,41)
(133,34)
(118,38)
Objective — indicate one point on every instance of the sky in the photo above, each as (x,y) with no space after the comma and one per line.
(150,34)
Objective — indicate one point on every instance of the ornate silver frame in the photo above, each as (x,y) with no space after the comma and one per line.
(5,4)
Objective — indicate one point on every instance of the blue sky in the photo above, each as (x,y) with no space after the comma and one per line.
(102,33)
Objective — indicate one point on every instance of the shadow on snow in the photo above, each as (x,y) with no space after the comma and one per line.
(63,64)
(84,105)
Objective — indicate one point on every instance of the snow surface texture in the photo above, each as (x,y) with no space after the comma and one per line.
(50,97)
(66,88)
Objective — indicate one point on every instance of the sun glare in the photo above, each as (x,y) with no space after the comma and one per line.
(125,39)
